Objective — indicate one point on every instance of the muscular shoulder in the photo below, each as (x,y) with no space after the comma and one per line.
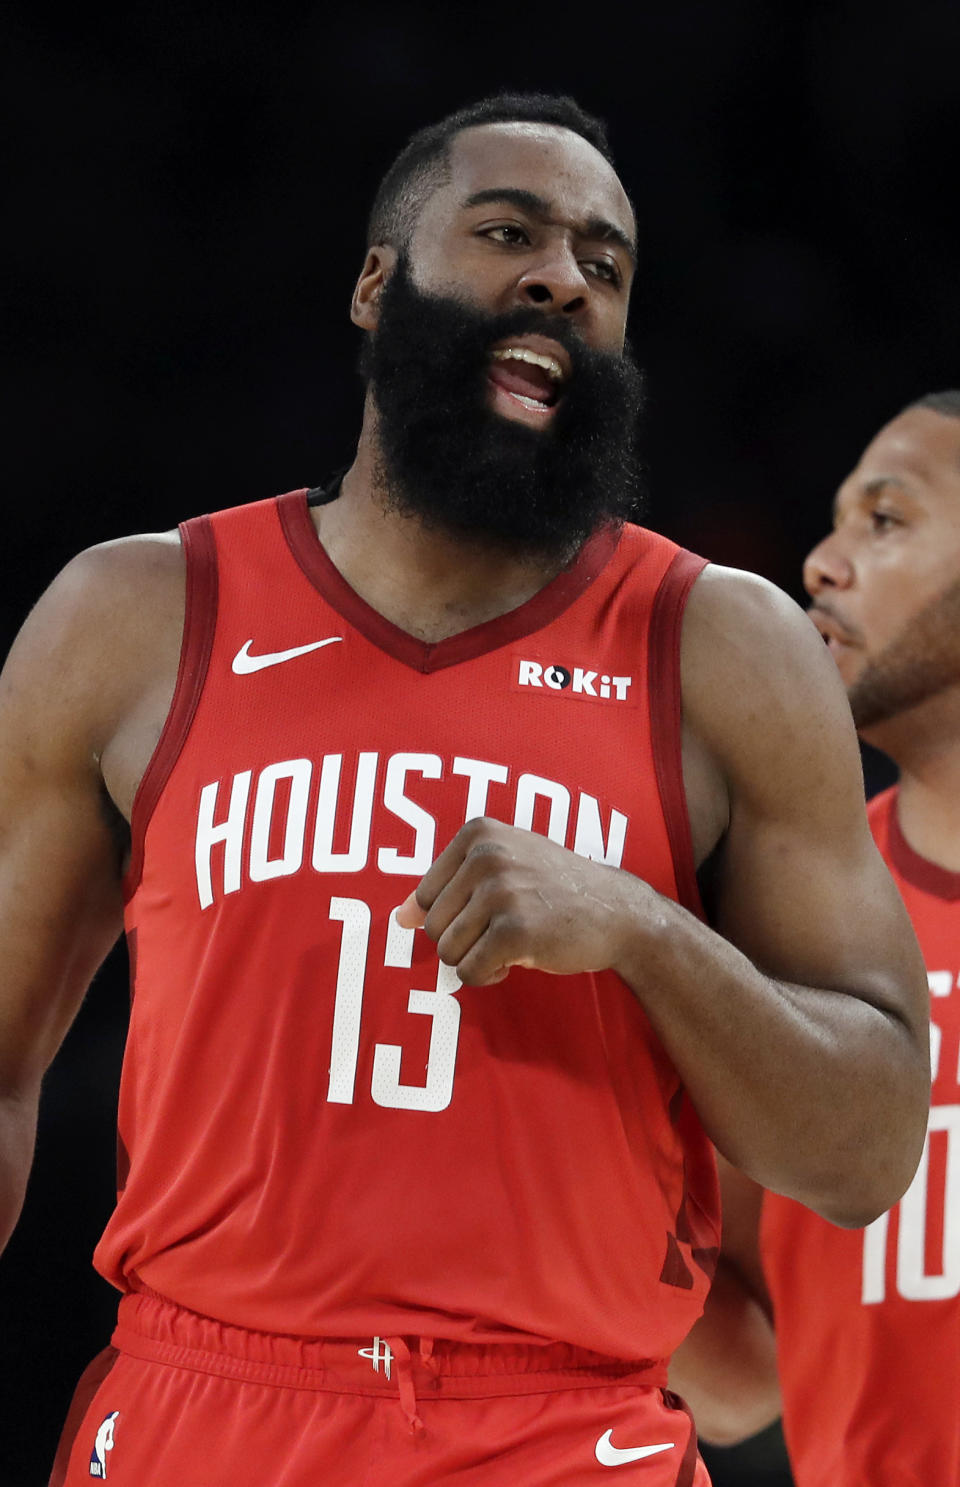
(112,574)
(112,617)
(763,697)
(738,626)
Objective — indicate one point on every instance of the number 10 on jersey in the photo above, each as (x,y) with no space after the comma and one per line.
(440,1004)
(923,1205)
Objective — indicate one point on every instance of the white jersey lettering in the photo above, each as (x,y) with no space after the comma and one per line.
(588,840)
(325,859)
(264,832)
(230,832)
(262,865)
(430,767)
(529,787)
(481,776)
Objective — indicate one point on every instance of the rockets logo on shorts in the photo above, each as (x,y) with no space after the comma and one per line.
(103,1444)
(380,1353)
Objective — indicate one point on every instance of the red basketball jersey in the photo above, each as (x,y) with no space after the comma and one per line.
(868,1320)
(324,1133)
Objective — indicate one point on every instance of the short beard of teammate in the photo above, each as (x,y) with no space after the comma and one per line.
(922,662)
(458,466)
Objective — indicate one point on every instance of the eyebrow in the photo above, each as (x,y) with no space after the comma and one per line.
(597,228)
(873,487)
(878,482)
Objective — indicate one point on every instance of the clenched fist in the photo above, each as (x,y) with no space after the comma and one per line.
(499,896)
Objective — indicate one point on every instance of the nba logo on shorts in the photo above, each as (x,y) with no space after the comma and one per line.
(102,1444)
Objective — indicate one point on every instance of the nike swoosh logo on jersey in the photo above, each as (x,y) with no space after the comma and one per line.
(610,1455)
(244,663)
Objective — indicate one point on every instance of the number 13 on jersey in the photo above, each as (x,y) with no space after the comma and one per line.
(440,1004)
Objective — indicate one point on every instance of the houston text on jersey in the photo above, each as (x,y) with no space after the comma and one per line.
(262,826)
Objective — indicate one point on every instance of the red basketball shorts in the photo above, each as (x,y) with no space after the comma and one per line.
(179,1400)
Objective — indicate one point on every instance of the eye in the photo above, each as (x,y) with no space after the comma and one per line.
(884,521)
(604,268)
(509,233)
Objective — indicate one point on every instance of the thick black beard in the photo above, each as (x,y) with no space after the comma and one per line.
(458,466)
(922,662)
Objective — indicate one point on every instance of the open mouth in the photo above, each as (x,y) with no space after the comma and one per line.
(528,380)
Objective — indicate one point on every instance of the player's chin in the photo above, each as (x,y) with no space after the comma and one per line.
(848,659)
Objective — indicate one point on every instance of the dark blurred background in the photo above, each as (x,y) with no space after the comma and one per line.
(185,208)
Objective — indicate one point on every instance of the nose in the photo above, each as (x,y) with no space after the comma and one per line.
(555,282)
(827,567)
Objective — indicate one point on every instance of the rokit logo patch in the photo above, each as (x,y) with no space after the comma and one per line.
(573,681)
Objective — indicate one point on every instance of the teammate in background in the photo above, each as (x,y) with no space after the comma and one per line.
(868,1322)
(372,1233)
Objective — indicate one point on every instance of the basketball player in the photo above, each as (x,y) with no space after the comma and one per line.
(868,1322)
(426,1196)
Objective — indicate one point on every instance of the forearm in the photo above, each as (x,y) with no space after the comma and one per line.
(18,1127)
(814,1093)
(726,1369)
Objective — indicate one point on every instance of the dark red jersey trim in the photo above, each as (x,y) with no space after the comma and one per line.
(686,1476)
(666,718)
(544,607)
(89,1382)
(199,624)
(132,939)
(928,876)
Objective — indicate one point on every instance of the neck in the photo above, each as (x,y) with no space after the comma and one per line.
(431,583)
(925,745)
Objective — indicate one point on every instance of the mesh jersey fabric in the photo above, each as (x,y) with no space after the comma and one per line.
(868,1320)
(321,1133)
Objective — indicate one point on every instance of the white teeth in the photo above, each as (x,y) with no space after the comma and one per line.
(521,397)
(549,364)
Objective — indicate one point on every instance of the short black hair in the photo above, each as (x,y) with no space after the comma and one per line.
(947,403)
(424,160)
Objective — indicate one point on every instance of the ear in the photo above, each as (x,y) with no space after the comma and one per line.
(365,306)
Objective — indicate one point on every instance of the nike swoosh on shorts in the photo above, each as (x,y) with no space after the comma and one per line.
(611,1455)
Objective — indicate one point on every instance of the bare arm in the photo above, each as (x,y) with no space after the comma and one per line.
(726,1368)
(802,1033)
(798,1024)
(67,687)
